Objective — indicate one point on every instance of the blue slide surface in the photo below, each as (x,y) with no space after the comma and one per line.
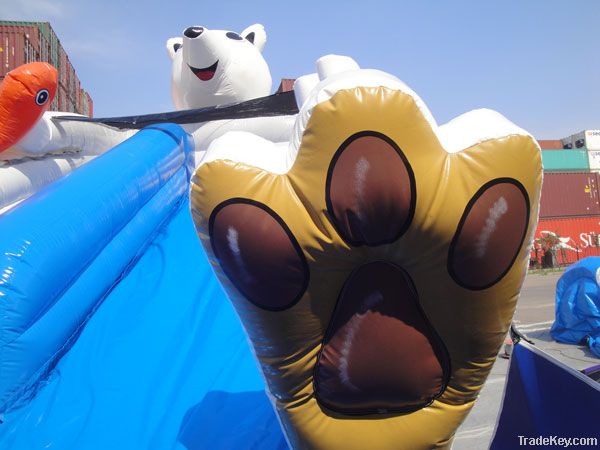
(114,331)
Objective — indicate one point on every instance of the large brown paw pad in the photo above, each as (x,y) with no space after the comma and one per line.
(370,190)
(380,354)
(490,234)
(258,253)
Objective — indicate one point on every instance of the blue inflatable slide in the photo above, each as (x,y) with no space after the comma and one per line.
(114,332)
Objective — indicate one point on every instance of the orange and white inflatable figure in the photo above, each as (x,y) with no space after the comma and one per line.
(25,94)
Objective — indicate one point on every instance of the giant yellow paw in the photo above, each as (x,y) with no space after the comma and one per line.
(377,275)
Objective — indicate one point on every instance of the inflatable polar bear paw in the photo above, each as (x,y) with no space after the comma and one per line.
(377,262)
(217,67)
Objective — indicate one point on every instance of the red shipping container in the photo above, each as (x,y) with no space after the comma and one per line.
(554,144)
(77,101)
(78,94)
(569,194)
(19,44)
(13,50)
(287,84)
(63,70)
(579,237)
(61,94)
(90,111)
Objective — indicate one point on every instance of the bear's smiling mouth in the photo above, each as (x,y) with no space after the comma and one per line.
(205,73)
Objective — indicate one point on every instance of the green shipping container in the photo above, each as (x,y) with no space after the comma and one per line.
(565,161)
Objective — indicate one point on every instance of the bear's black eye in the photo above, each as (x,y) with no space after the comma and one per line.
(176,47)
(42,97)
(234,36)
(193,32)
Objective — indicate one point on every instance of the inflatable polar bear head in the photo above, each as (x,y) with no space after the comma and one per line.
(217,67)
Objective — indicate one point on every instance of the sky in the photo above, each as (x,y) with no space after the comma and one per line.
(535,61)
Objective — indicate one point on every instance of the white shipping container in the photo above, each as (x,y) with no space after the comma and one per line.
(592,139)
(589,139)
(594,158)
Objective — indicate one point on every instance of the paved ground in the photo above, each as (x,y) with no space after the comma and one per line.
(534,317)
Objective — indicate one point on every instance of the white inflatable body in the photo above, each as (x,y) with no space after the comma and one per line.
(335,73)
(21,180)
(218,67)
(237,72)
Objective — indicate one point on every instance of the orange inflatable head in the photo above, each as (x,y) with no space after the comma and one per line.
(25,94)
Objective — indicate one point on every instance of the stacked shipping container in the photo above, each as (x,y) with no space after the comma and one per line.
(565,160)
(569,195)
(570,203)
(554,144)
(24,42)
(286,85)
(589,139)
(579,236)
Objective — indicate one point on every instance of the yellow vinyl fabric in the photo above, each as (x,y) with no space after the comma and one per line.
(454,228)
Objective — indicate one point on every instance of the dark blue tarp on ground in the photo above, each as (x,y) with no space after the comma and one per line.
(545,398)
(163,362)
(578,305)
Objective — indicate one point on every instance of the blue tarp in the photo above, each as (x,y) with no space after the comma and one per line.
(545,399)
(160,360)
(578,305)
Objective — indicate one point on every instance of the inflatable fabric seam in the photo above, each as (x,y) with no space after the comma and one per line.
(147,173)
(28,385)
(172,177)
(84,268)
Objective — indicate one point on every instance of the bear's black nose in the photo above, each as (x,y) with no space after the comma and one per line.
(193,32)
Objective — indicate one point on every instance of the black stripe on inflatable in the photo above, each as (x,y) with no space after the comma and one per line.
(281,104)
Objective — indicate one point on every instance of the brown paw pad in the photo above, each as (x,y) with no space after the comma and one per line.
(380,354)
(370,190)
(489,235)
(258,253)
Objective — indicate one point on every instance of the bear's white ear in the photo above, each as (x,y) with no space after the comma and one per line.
(256,34)
(173,45)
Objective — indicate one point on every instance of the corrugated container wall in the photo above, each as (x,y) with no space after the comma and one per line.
(286,85)
(565,160)
(86,105)
(19,45)
(592,139)
(594,160)
(62,98)
(90,103)
(579,236)
(63,66)
(554,144)
(569,194)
